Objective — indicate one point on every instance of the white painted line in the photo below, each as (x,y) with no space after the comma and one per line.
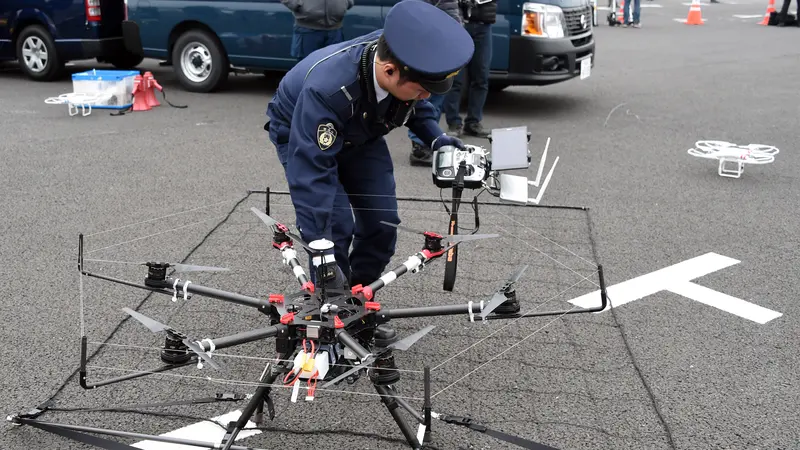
(750,16)
(725,302)
(675,278)
(649,284)
(200,431)
(648,5)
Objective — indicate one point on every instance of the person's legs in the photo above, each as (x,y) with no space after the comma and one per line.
(451,105)
(637,8)
(342,222)
(306,40)
(367,175)
(478,77)
(333,37)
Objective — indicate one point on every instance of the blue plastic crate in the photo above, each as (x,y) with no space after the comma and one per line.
(115,87)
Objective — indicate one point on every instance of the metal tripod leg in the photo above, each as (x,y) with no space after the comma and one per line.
(256,404)
(392,405)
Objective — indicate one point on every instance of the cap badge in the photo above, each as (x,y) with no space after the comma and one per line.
(452,74)
(326,135)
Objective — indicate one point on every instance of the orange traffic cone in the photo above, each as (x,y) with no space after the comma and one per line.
(140,94)
(695,16)
(770,9)
(151,84)
(621,12)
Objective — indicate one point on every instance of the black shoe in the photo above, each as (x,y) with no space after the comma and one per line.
(420,155)
(475,129)
(454,129)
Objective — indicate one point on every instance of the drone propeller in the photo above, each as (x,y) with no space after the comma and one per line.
(499,297)
(455,238)
(402,344)
(275,225)
(156,327)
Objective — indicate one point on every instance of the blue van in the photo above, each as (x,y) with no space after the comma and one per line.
(45,34)
(534,43)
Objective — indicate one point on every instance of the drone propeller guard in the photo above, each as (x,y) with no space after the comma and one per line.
(330,318)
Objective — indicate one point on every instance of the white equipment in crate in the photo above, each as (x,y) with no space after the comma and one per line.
(733,157)
(78,102)
(98,89)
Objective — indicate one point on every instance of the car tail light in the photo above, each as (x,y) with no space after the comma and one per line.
(93,10)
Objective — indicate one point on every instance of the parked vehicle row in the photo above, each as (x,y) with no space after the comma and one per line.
(534,43)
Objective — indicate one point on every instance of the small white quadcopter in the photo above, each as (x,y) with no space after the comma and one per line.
(733,157)
(78,102)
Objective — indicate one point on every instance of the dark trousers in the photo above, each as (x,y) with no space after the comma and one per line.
(306,40)
(365,196)
(785,10)
(478,71)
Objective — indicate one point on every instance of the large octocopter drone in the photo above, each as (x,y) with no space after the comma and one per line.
(327,332)
(323,334)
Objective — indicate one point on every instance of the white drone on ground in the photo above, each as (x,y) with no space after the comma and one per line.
(78,102)
(733,157)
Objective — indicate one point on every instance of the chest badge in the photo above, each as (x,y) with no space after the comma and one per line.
(326,135)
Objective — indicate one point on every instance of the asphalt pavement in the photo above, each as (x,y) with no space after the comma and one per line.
(685,360)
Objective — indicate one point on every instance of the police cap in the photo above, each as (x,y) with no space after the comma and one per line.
(431,45)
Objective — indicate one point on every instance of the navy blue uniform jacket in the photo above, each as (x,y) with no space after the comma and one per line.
(321,111)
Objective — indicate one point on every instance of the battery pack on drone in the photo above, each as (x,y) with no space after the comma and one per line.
(310,368)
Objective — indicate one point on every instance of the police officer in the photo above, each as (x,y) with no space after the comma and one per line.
(328,117)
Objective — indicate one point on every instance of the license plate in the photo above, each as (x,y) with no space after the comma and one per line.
(586,68)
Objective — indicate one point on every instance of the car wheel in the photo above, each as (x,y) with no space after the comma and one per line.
(37,55)
(200,62)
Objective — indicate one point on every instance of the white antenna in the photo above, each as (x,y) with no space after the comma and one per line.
(514,188)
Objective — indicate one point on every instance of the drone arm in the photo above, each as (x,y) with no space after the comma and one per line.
(412,264)
(244,337)
(289,255)
(218,294)
(348,341)
(428,311)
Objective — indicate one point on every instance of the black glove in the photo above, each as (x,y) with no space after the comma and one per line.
(444,139)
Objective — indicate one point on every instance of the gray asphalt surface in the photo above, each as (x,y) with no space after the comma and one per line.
(663,372)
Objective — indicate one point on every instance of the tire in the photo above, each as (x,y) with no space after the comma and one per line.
(37,54)
(199,61)
(125,61)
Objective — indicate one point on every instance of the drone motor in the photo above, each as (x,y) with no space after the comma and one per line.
(156,274)
(385,371)
(175,351)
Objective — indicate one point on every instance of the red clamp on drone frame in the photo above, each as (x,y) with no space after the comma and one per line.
(308,286)
(365,290)
(276,298)
(337,322)
(428,254)
(372,306)
(287,318)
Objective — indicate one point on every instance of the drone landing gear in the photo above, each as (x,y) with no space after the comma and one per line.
(255,407)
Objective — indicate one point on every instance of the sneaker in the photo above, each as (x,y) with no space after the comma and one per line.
(420,155)
(637,25)
(454,129)
(475,129)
